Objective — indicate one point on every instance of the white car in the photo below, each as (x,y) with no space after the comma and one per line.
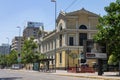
(15,66)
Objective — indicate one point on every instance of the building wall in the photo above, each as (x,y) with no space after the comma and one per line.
(68,26)
(31,32)
(17,43)
(5,49)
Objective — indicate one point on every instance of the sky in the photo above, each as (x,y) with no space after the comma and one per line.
(15,13)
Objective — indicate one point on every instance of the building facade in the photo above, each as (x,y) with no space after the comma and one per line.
(65,44)
(17,43)
(32,30)
(5,49)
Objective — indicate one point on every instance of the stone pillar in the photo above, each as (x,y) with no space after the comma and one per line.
(77,24)
(77,38)
(65,39)
(89,35)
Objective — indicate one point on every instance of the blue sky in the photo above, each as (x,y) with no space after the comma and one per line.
(15,13)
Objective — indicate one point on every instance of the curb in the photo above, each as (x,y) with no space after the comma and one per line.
(92,77)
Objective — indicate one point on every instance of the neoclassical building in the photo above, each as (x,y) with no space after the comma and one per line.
(65,43)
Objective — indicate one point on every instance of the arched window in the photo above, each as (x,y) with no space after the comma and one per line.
(61,28)
(82,27)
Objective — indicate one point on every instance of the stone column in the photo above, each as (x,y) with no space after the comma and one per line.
(65,39)
(77,38)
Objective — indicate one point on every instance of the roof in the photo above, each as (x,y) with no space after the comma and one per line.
(82,11)
(62,15)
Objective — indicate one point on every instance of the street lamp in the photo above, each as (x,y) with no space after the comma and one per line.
(8,45)
(8,49)
(19,47)
(7,39)
(55,10)
(55,28)
(68,60)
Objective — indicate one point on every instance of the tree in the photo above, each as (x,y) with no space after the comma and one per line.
(11,58)
(29,51)
(109,31)
(2,61)
(8,59)
(73,56)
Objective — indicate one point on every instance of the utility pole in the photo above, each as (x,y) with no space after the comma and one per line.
(19,43)
(55,29)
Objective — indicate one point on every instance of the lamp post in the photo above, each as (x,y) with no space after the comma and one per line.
(8,45)
(68,60)
(7,39)
(55,28)
(19,43)
(8,50)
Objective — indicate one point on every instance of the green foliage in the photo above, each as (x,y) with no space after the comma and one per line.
(73,56)
(109,31)
(2,59)
(29,51)
(8,59)
(112,60)
(12,57)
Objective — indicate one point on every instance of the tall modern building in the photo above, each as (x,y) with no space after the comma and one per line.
(17,43)
(65,43)
(32,29)
(5,49)
(34,24)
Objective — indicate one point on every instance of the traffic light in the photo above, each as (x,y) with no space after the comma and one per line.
(83,60)
(19,58)
(19,55)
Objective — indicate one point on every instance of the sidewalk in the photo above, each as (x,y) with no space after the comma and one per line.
(105,76)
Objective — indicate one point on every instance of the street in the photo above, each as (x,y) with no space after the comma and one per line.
(33,75)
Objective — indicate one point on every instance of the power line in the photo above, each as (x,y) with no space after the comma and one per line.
(71,4)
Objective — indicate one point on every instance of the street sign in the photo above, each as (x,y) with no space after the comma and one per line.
(90,55)
(19,59)
(96,55)
(101,55)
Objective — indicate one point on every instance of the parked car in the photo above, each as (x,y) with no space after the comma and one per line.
(16,66)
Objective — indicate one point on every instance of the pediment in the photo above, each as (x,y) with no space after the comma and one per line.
(82,11)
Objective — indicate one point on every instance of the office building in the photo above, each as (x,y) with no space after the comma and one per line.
(5,49)
(32,30)
(17,43)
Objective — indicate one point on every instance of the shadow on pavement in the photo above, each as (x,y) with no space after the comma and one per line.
(10,78)
(113,75)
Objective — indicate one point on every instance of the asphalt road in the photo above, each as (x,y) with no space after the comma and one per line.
(32,75)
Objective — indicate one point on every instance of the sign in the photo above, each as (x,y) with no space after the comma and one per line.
(96,55)
(36,66)
(101,55)
(34,24)
(90,55)
(19,59)
(53,0)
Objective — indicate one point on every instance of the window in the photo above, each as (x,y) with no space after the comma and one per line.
(82,37)
(60,40)
(71,41)
(89,45)
(61,28)
(82,27)
(60,57)
(52,58)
